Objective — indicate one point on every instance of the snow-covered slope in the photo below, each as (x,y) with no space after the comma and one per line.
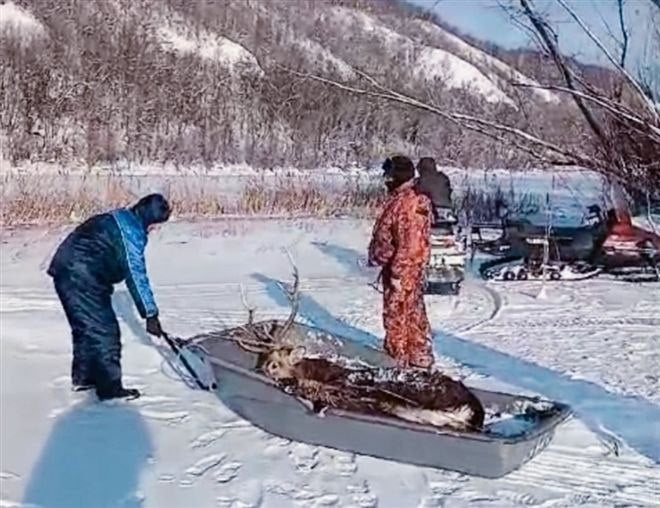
(208,46)
(499,71)
(593,344)
(207,82)
(432,53)
(426,62)
(20,24)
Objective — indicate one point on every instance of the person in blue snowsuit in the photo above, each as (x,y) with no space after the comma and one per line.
(105,250)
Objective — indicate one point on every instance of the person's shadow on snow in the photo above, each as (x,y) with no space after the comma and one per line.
(347,257)
(315,314)
(93,459)
(602,411)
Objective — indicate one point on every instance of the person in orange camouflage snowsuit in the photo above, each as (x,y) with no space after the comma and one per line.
(400,244)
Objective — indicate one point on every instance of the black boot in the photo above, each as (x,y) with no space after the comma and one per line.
(83,387)
(116,391)
(82,383)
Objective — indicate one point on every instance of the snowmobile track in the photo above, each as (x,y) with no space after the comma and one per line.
(497,307)
(570,323)
(567,471)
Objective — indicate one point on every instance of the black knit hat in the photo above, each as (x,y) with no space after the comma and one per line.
(398,169)
(426,165)
(152,209)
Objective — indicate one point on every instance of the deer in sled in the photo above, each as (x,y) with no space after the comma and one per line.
(420,396)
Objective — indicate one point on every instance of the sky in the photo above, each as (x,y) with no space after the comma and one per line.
(486,20)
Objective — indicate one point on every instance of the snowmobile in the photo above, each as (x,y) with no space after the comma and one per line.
(630,252)
(446,268)
(603,243)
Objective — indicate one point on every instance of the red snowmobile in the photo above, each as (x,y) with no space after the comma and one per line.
(606,243)
(629,248)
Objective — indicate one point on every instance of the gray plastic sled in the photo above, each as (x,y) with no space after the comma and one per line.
(489,454)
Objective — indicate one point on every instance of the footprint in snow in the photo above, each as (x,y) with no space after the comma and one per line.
(366,500)
(166,478)
(518,498)
(250,496)
(228,472)
(326,500)
(204,465)
(207,438)
(146,400)
(475,497)
(344,463)
(289,490)
(434,501)
(304,457)
(275,446)
(361,495)
(442,489)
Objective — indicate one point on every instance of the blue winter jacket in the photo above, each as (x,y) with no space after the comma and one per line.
(109,248)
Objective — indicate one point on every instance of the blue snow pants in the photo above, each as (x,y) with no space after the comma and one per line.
(95,333)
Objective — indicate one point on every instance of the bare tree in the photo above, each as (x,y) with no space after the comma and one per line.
(622,131)
(629,136)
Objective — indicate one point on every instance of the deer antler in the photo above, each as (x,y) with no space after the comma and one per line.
(251,346)
(294,298)
(252,343)
(247,305)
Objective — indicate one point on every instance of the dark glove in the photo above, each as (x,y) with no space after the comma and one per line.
(153,326)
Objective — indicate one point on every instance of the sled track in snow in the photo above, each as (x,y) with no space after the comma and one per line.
(585,479)
(582,322)
(18,299)
(497,307)
(220,288)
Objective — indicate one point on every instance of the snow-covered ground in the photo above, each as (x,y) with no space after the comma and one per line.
(594,344)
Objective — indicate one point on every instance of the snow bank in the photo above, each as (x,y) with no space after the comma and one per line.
(208,46)
(434,63)
(322,58)
(430,63)
(477,56)
(18,22)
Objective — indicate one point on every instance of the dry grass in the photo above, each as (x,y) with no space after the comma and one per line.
(56,200)
(30,200)
(481,206)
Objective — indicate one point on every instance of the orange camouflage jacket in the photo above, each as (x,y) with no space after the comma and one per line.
(400,241)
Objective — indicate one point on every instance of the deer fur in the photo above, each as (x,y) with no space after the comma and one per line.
(418,396)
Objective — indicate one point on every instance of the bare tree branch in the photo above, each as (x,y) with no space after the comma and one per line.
(609,55)
(624,34)
(465,121)
(515,18)
(615,109)
(550,40)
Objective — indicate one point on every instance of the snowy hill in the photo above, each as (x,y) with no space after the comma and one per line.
(198,81)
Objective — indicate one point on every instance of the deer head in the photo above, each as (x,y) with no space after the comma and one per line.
(279,363)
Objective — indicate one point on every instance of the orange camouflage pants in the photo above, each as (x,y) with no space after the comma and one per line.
(407,328)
